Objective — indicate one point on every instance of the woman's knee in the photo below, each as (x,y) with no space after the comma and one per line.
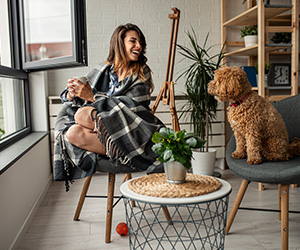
(83,117)
(75,135)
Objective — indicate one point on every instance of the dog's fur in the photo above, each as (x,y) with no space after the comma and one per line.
(258,127)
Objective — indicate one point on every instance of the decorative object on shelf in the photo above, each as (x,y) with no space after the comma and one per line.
(175,150)
(280,74)
(282,37)
(254,120)
(200,108)
(2,132)
(267,71)
(251,73)
(249,33)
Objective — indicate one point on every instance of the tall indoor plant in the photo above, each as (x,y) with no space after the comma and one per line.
(200,107)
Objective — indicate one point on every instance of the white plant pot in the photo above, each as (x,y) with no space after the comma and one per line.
(250,40)
(203,163)
(175,172)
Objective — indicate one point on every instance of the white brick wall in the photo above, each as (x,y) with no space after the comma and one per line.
(103,16)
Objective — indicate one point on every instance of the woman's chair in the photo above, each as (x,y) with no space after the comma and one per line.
(104,165)
(281,173)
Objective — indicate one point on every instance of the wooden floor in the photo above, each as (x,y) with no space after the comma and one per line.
(53,226)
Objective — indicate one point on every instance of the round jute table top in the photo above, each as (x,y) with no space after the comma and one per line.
(157,186)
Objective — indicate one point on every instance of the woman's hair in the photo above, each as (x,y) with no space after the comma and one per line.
(117,54)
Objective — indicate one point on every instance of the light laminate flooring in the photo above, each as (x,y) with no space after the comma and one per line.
(53,227)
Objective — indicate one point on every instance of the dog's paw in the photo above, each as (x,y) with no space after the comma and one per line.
(254,161)
(238,155)
(278,157)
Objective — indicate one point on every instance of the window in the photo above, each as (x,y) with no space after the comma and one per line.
(28,42)
(14,98)
(53,33)
(14,108)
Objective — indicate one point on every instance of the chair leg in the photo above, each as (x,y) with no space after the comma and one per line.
(236,204)
(279,201)
(127,177)
(110,201)
(261,186)
(82,197)
(284,217)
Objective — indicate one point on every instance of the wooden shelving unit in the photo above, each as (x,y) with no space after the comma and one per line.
(269,19)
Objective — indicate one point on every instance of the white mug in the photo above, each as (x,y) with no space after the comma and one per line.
(82,79)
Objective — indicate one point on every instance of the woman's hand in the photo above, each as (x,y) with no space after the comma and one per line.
(77,88)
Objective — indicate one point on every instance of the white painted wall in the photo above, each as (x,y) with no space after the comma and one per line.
(152,17)
(21,190)
(23,185)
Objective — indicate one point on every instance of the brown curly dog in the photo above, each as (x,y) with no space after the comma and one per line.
(258,128)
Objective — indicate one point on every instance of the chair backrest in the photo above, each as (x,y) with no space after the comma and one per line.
(289,109)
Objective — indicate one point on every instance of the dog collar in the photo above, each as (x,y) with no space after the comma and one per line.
(237,103)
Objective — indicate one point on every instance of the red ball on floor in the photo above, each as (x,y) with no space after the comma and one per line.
(122,229)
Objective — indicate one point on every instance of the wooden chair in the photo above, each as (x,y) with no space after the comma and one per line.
(104,165)
(281,173)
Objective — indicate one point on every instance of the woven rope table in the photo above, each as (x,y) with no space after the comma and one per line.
(178,220)
(156,185)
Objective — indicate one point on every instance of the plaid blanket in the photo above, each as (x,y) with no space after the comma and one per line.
(124,125)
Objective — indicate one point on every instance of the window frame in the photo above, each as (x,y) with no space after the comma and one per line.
(79,43)
(18,75)
(15,72)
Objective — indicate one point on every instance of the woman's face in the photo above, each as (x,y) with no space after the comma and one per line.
(133,46)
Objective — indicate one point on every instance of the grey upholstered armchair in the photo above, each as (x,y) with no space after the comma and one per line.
(282,173)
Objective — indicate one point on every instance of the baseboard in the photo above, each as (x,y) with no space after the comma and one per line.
(16,242)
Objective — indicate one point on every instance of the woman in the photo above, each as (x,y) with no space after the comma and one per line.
(115,119)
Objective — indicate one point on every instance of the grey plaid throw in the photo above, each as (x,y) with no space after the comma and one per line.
(125,127)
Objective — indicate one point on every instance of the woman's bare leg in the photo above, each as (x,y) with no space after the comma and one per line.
(82,134)
(83,117)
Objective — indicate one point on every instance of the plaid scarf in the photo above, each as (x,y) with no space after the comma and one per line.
(125,126)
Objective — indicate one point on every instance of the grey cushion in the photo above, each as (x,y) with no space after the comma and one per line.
(287,172)
(106,165)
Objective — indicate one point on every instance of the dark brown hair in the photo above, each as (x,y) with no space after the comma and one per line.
(117,55)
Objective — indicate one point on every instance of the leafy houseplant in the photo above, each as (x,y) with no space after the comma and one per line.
(200,107)
(175,146)
(267,68)
(249,31)
(281,37)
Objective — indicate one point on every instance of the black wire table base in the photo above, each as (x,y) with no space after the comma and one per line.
(190,226)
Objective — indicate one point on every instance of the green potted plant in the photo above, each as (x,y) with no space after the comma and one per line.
(200,107)
(249,33)
(175,150)
(282,37)
(267,70)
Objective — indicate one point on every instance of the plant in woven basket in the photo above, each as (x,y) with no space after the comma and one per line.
(175,146)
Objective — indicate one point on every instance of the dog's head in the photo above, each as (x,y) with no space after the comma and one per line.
(229,84)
